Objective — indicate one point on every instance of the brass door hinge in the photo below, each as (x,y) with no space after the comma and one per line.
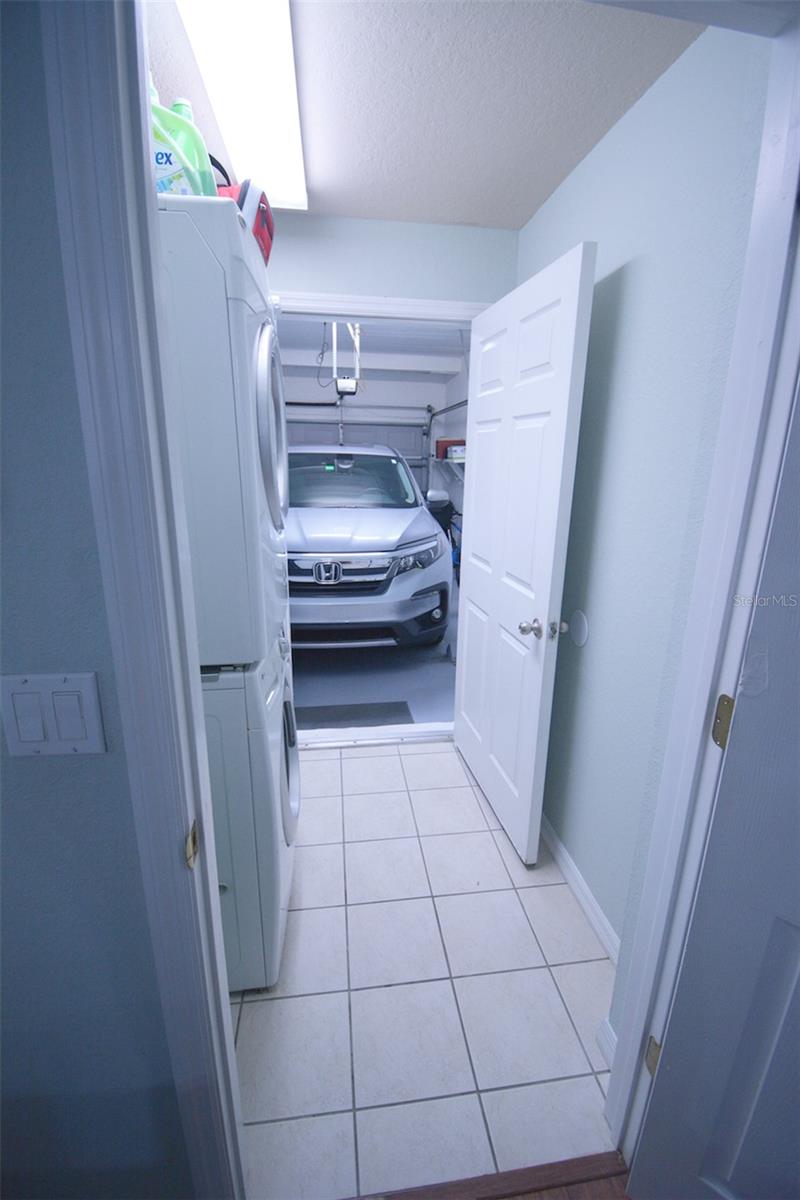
(192,845)
(722,721)
(652,1054)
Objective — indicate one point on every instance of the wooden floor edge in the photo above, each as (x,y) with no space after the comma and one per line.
(507,1184)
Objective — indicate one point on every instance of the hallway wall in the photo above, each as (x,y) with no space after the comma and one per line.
(88,1103)
(667,195)
(391,258)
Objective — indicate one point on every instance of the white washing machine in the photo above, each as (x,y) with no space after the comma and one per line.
(252,754)
(225,394)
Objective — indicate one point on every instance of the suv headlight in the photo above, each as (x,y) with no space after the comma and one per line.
(426,554)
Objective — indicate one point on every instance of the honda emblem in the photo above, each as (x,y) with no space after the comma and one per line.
(327,572)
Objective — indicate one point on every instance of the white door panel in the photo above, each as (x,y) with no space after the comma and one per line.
(723,1117)
(527,367)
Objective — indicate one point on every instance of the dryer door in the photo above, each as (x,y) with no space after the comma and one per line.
(290,772)
(271,419)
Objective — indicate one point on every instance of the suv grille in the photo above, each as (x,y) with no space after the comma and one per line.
(305,634)
(345,588)
(359,575)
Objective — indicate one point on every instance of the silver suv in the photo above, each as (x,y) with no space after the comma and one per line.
(369,565)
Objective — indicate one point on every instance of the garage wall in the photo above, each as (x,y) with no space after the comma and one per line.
(451,425)
(667,196)
(88,1102)
(373,395)
(391,258)
(376,408)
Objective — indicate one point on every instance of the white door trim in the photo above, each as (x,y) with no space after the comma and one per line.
(335,304)
(752,431)
(99,132)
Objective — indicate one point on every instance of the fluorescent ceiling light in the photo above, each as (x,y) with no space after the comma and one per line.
(245,55)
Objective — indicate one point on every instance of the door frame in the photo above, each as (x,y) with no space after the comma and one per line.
(99,129)
(753,426)
(398,308)
(345,306)
(101,118)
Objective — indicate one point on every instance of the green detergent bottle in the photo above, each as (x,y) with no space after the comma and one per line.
(180,157)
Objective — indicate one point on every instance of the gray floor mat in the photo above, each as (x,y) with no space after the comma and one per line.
(343,716)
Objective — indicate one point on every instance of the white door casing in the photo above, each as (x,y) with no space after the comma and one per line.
(722,1119)
(527,367)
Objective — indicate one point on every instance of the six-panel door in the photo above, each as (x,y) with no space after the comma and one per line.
(527,367)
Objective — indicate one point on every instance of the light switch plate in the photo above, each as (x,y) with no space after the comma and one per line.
(53,714)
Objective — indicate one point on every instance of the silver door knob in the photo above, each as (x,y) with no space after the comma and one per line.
(534,627)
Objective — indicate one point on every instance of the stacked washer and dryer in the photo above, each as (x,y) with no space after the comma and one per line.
(225,393)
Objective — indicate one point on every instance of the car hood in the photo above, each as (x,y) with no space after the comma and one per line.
(349,530)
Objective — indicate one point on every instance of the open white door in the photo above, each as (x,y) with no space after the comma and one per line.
(527,366)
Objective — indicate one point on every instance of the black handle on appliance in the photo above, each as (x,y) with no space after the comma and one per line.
(217,165)
(290,723)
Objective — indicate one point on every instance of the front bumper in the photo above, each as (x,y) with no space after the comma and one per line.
(403,615)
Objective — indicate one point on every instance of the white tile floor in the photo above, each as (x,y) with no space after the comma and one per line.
(438,1001)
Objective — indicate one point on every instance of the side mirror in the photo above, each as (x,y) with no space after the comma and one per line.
(437,498)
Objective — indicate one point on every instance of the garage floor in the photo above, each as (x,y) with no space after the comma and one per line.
(436,1013)
(424,678)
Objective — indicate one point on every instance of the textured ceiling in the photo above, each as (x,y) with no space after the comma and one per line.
(464,111)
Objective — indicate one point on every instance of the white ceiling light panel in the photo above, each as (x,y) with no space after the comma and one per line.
(245,54)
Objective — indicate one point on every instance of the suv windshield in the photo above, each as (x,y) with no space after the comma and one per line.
(349,481)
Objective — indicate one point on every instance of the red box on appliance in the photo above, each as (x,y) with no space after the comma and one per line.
(255,210)
(443,443)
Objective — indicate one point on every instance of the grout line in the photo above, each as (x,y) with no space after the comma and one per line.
(379,987)
(453,988)
(438,895)
(328,1112)
(349,993)
(404,837)
(504,1087)
(547,962)
(551,966)
(555,981)
(376,791)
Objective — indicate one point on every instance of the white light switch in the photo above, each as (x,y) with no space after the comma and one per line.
(28,715)
(70,724)
(52,714)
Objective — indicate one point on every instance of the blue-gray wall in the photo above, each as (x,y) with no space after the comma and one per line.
(391,258)
(667,195)
(88,1108)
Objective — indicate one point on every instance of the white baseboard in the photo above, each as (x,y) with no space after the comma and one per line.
(607,1042)
(583,894)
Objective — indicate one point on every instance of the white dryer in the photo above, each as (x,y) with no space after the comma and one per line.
(225,395)
(225,381)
